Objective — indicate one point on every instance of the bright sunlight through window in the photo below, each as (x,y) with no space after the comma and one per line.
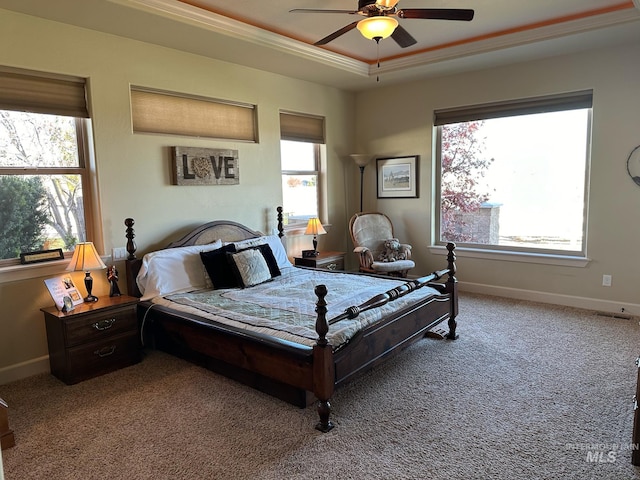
(516,182)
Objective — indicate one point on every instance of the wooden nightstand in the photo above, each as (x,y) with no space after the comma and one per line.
(326,260)
(7,440)
(93,339)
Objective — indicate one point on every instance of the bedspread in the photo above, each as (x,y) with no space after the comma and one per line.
(285,306)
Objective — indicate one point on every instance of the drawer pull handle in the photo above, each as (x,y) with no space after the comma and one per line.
(104,324)
(332,266)
(105,351)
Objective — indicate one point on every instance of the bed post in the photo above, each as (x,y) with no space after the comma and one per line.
(280,224)
(323,366)
(131,263)
(452,287)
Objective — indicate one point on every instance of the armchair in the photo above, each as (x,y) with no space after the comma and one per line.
(369,231)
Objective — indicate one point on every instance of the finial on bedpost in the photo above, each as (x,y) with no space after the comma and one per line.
(280,224)
(131,245)
(322,327)
(451,260)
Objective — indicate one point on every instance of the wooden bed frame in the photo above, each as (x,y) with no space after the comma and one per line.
(289,371)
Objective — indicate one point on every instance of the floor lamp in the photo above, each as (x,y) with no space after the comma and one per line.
(361,160)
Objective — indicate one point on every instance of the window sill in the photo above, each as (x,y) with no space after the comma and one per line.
(14,273)
(298,229)
(539,258)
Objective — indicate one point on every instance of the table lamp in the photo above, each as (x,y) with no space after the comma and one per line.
(86,258)
(315,228)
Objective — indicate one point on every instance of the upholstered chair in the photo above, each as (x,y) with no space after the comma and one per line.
(369,231)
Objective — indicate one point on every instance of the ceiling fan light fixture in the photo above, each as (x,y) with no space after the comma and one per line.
(388,4)
(377,27)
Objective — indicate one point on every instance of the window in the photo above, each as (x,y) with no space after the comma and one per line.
(300,173)
(301,153)
(514,176)
(44,182)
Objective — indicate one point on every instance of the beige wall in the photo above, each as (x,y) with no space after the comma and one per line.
(134,170)
(390,123)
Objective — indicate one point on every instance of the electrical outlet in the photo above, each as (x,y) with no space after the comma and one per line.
(606,280)
(119,253)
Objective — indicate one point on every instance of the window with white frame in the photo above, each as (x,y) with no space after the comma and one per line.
(514,176)
(301,151)
(45,190)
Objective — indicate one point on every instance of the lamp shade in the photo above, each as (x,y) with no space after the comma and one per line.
(314,227)
(361,159)
(377,27)
(85,258)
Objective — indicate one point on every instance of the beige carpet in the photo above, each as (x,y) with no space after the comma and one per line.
(529,391)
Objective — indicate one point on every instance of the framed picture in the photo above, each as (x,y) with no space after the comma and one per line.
(64,292)
(41,256)
(398,177)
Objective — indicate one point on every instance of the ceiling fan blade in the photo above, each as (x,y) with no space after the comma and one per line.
(465,15)
(313,10)
(402,37)
(336,34)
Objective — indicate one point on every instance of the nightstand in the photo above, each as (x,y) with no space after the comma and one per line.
(93,338)
(7,440)
(325,260)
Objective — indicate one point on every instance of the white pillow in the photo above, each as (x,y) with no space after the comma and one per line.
(173,270)
(273,241)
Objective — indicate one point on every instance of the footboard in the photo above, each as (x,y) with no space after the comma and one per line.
(384,338)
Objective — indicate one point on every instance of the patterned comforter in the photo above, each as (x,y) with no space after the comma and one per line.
(285,306)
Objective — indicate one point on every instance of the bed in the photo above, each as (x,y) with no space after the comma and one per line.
(303,337)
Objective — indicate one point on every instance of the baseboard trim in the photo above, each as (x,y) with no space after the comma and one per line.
(595,304)
(26,369)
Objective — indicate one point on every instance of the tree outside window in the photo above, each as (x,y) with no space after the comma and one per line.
(42,171)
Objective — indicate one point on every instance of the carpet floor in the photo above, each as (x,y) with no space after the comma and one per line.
(528,391)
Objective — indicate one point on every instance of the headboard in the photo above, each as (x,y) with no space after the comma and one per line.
(225,230)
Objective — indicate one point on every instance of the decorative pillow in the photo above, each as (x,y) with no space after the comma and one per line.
(391,251)
(272,263)
(220,272)
(274,242)
(173,270)
(250,267)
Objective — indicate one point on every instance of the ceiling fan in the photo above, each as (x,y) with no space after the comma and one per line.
(380,22)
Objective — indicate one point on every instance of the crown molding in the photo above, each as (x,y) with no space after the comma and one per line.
(499,42)
(197,17)
(236,29)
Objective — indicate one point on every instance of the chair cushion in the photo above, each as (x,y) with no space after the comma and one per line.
(396,266)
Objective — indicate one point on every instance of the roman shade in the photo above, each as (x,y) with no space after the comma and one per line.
(551,103)
(301,128)
(36,92)
(175,114)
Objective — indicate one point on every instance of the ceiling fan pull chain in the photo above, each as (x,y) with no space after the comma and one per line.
(377,39)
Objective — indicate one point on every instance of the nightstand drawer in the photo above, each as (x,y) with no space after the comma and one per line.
(92,359)
(324,261)
(90,328)
(336,263)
